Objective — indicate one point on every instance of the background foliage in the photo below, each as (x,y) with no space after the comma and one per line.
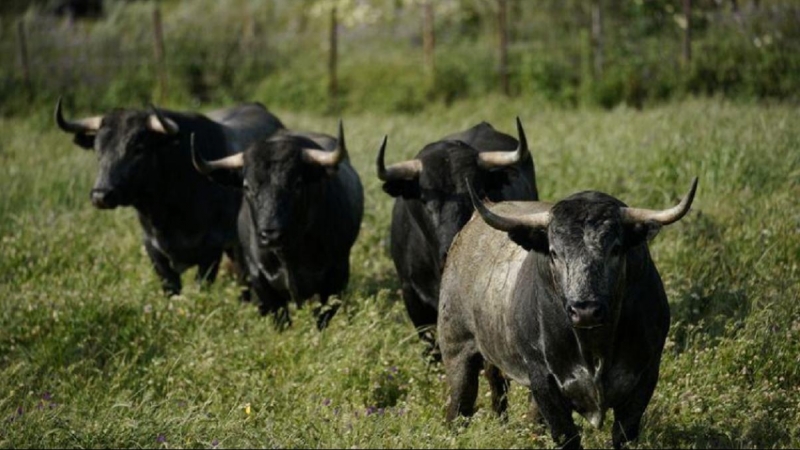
(276,51)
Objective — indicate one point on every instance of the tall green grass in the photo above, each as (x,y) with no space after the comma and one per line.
(92,355)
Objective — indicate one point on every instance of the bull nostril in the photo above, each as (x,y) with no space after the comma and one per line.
(572,312)
(268,235)
(102,198)
(584,314)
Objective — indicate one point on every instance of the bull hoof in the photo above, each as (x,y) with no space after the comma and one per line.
(245,296)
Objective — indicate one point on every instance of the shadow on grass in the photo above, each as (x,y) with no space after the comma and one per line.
(91,338)
(762,432)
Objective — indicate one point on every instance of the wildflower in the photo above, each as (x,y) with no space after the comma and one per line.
(161,438)
(47,396)
(215,443)
(247,409)
(326,402)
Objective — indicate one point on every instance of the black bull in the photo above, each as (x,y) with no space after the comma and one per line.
(144,161)
(302,214)
(432,204)
(564,299)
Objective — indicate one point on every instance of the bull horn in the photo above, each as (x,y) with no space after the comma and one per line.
(492,159)
(205,167)
(406,170)
(160,124)
(537,220)
(663,217)
(87,125)
(327,159)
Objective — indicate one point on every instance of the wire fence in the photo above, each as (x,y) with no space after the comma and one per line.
(206,45)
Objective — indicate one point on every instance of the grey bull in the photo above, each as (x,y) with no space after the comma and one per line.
(563,298)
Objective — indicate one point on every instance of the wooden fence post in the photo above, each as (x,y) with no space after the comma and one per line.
(333,86)
(429,38)
(687,36)
(160,55)
(597,38)
(22,43)
(502,26)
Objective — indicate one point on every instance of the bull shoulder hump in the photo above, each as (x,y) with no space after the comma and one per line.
(244,124)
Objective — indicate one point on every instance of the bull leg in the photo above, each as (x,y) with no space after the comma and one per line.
(207,269)
(423,317)
(272,301)
(533,411)
(499,385)
(325,312)
(335,282)
(554,408)
(628,416)
(170,279)
(463,370)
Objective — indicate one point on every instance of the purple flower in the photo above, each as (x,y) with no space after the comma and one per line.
(326,402)
(20,411)
(47,396)
(393,369)
(161,438)
(370,410)
(215,443)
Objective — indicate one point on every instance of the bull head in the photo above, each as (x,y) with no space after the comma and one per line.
(411,169)
(322,158)
(279,176)
(126,156)
(586,238)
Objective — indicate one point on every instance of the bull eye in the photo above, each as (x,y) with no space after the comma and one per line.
(553,254)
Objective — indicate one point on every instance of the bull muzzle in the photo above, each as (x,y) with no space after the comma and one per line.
(105,198)
(270,237)
(587,314)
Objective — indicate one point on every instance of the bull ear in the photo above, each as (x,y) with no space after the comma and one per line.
(222,172)
(84,140)
(530,239)
(640,233)
(408,189)
(227,177)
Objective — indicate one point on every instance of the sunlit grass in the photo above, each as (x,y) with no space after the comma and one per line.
(91,354)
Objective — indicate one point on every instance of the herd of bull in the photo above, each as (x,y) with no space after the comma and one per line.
(561,297)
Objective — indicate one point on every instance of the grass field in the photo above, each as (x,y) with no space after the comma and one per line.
(92,355)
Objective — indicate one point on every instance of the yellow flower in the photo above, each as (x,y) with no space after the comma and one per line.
(247,409)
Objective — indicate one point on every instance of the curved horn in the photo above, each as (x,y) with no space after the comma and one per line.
(664,217)
(160,124)
(328,159)
(87,125)
(489,160)
(205,167)
(536,220)
(406,170)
